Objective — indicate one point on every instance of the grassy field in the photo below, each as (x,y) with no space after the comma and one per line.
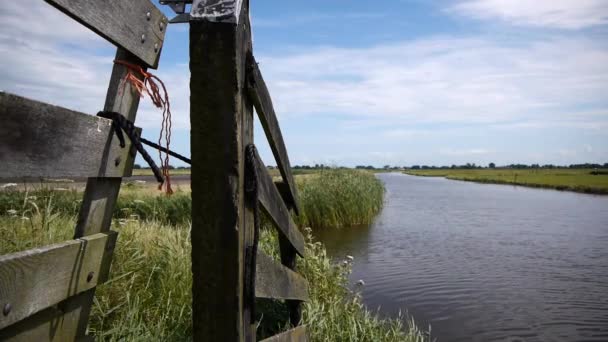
(148,296)
(579,180)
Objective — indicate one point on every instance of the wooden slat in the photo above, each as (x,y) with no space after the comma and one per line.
(272,202)
(100,195)
(288,259)
(134,25)
(274,280)
(36,279)
(297,334)
(221,126)
(42,140)
(263,105)
(54,324)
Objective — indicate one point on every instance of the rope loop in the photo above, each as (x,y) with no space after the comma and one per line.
(144,82)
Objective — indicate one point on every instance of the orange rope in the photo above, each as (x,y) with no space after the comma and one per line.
(134,73)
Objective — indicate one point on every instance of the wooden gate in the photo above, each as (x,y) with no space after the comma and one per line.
(225,85)
(46,293)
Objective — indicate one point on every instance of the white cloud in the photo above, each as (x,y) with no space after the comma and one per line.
(562,14)
(464,152)
(444,80)
(49,57)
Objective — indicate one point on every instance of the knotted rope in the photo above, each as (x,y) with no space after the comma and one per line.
(142,80)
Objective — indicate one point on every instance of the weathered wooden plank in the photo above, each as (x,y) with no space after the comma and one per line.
(272,202)
(54,324)
(288,258)
(100,195)
(221,120)
(42,140)
(135,25)
(260,96)
(274,280)
(297,334)
(33,280)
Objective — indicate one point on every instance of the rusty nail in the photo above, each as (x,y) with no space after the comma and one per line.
(90,276)
(155,47)
(117,161)
(162,25)
(7,309)
(148,16)
(143,38)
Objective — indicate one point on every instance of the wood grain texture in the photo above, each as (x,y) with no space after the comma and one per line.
(288,259)
(33,280)
(100,194)
(271,201)
(42,140)
(297,334)
(54,324)
(136,26)
(274,280)
(262,101)
(221,126)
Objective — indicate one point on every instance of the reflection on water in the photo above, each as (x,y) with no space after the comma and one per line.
(484,262)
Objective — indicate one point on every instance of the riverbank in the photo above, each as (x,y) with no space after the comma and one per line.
(148,296)
(577,180)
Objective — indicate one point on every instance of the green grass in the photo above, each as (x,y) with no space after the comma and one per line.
(339,198)
(579,180)
(148,297)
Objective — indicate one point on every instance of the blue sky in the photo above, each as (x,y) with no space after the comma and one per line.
(361,82)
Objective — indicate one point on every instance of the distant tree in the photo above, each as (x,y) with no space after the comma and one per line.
(491,165)
(453,166)
(137,166)
(369,167)
(605,165)
(415,167)
(386,167)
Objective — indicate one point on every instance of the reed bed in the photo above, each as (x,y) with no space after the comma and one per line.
(339,198)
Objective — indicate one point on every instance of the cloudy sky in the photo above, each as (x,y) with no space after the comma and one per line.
(397,82)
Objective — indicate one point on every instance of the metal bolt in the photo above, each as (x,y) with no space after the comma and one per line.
(161,25)
(155,47)
(117,161)
(143,38)
(90,276)
(7,309)
(148,16)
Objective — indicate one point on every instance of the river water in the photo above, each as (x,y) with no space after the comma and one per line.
(483,262)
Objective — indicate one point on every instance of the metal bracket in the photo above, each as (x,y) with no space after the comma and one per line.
(179,7)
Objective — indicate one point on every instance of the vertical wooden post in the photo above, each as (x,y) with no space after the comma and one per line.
(288,257)
(221,126)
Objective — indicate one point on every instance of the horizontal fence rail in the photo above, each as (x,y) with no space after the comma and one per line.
(297,334)
(274,280)
(36,279)
(42,140)
(136,26)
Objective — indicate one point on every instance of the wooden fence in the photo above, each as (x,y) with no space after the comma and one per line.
(225,85)
(46,293)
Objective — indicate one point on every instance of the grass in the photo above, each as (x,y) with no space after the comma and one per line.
(339,198)
(579,180)
(148,297)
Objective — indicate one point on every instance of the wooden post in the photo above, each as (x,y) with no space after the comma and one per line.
(288,258)
(221,126)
